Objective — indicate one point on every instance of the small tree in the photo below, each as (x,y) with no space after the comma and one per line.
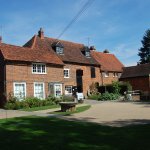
(144,51)
(116,87)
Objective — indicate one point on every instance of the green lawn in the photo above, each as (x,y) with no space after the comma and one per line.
(40,133)
(78,110)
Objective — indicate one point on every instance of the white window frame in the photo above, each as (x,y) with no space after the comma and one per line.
(43,89)
(66,93)
(59,50)
(68,73)
(106,74)
(115,74)
(87,53)
(36,72)
(55,89)
(14,87)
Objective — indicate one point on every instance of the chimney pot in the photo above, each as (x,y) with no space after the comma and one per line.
(92,48)
(106,51)
(41,33)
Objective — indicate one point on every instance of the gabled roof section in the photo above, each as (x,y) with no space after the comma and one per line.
(72,51)
(17,53)
(136,71)
(108,61)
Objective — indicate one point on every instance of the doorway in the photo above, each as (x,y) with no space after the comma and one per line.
(79,80)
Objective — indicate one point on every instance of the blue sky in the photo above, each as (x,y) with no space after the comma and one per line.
(116,25)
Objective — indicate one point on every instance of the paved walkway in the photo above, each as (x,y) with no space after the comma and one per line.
(106,113)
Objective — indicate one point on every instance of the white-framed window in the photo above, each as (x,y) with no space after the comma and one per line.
(68,89)
(20,90)
(57,90)
(106,74)
(87,53)
(39,90)
(59,50)
(38,68)
(115,74)
(66,73)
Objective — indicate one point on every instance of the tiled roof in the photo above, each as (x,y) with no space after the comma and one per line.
(108,61)
(136,71)
(17,53)
(72,51)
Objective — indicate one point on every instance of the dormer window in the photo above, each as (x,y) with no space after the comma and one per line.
(58,47)
(86,52)
(59,50)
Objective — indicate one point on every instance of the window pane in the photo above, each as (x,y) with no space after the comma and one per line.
(43,68)
(19,90)
(39,68)
(51,88)
(39,90)
(93,72)
(66,73)
(58,90)
(68,89)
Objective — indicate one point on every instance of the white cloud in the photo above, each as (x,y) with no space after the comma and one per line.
(127,53)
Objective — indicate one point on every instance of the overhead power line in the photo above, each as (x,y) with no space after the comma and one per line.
(81,11)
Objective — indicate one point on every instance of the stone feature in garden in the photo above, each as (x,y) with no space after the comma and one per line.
(68,106)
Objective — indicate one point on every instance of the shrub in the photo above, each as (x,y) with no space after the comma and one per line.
(116,87)
(108,96)
(51,99)
(33,102)
(30,102)
(67,98)
(125,86)
(94,88)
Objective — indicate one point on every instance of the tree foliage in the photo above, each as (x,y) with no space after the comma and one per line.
(144,51)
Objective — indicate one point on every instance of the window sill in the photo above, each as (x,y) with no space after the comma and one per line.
(66,77)
(38,73)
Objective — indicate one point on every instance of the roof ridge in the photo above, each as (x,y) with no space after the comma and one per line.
(64,41)
(34,40)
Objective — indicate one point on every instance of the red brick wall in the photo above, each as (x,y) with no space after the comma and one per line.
(109,79)
(139,83)
(87,80)
(23,73)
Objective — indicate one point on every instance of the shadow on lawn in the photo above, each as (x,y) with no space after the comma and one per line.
(41,133)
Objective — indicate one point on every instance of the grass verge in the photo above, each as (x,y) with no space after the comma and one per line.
(41,108)
(78,110)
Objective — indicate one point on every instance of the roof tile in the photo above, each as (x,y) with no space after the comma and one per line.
(108,61)
(17,53)
(136,71)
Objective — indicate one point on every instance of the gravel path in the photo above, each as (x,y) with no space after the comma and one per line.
(105,113)
(115,113)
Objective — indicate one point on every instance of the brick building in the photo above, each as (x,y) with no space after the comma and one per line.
(45,66)
(26,72)
(110,67)
(80,69)
(138,76)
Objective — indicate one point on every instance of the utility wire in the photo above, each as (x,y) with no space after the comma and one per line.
(82,10)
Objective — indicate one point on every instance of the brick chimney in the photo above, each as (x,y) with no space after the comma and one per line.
(41,33)
(0,39)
